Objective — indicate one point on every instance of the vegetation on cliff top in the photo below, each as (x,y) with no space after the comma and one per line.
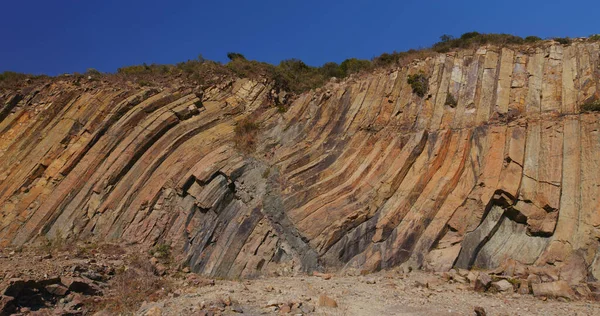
(293,74)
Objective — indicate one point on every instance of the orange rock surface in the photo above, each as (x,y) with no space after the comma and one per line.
(361,173)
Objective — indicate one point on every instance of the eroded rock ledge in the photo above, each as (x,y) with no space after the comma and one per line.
(359,174)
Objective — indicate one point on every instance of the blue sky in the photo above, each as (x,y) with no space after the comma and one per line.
(58,36)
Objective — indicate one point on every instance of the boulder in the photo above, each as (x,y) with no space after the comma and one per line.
(479,311)
(56,289)
(14,288)
(553,289)
(6,305)
(80,285)
(523,287)
(502,286)
(482,283)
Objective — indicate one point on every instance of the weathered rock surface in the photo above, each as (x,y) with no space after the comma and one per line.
(359,174)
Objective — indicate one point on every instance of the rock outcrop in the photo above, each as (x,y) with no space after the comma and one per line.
(359,174)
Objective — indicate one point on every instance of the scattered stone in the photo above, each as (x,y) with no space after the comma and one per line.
(237,309)
(327,301)
(272,303)
(284,309)
(324,276)
(480,311)
(523,287)
(502,286)
(553,289)
(56,289)
(472,277)
(80,285)
(306,309)
(482,283)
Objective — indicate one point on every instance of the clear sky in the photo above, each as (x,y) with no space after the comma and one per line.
(58,36)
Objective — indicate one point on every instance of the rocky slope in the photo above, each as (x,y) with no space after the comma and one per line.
(359,174)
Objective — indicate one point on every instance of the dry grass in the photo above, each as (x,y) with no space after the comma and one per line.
(246,133)
(130,287)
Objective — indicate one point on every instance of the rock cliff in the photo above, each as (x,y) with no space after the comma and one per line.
(361,173)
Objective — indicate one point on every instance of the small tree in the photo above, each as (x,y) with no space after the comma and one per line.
(446,38)
(233,56)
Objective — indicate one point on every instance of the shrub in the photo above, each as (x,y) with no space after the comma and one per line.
(595,37)
(233,56)
(469,35)
(332,69)
(593,106)
(130,287)
(386,59)
(161,251)
(354,65)
(474,39)
(144,83)
(93,72)
(419,83)
(246,132)
(446,38)
(12,76)
(563,40)
(450,100)
(532,39)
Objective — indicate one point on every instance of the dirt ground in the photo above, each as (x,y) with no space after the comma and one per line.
(129,278)
(384,293)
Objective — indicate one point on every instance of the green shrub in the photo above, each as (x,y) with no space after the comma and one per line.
(92,72)
(469,35)
(161,251)
(450,100)
(332,69)
(386,59)
(446,38)
(595,37)
(593,106)
(532,39)
(144,83)
(474,39)
(354,65)
(12,76)
(563,40)
(233,56)
(419,83)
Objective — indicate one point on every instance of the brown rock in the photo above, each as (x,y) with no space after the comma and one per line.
(7,306)
(324,276)
(502,286)
(327,301)
(523,287)
(284,309)
(482,283)
(56,289)
(80,285)
(553,289)
(15,286)
(480,311)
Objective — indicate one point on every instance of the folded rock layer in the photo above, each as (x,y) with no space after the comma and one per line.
(362,173)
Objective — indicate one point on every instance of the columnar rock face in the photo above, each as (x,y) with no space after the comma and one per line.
(359,174)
